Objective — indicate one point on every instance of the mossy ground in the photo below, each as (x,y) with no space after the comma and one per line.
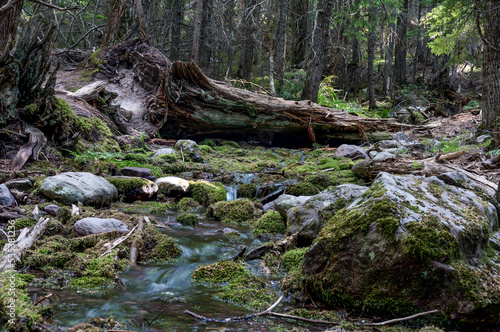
(188,219)
(270,222)
(238,210)
(187,204)
(207,193)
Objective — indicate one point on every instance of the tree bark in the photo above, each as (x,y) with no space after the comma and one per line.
(388,65)
(10,10)
(113,23)
(248,20)
(319,47)
(298,22)
(176,29)
(281,42)
(143,28)
(371,57)
(400,56)
(491,71)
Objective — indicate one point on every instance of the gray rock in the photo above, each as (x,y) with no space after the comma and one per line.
(190,147)
(495,241)
(351,151)
(416,146)
(163,151)
(172,185)
(420,230)
(389,144)
(460,180)
(140,172)
(268,206)
(384,155)
(285,202)
(87,226)
(133,188)
(20,184)
(51,209)
(403,115)
(308,220)
(6,198)
(73,187)
(403,138)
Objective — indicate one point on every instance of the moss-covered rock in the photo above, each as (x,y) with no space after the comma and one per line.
(403,246)
(237,210)
(158,247)
(302,189)
(270,222)
(187,204)
(207,193)
(292,259)
(134,188)
(247,190)
(188,219)
(220,272)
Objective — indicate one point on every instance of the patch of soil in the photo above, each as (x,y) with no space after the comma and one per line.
(459,124)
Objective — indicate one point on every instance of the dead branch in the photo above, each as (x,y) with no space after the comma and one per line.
(450,156)
(43,298)
(37,141)
(13,251)
(117,241)
(134,252)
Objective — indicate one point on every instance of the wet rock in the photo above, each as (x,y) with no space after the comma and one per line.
(172,185)
(51,209)
(140,172)
(258,252)
(87,226)
(286,202)
(433,237)
(353,152)
(308,220)
(20,184)
(167,151)
(190,148)
(495,241)
(134,188)
(268,206)
(6,198)
(73,187)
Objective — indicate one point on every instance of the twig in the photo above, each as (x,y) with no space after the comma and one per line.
(397,320)
(118,241)
(43,298)
(182,154)
(55,7)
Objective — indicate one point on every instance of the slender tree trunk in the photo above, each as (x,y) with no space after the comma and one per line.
(388,65)
(113,23)
(198,23)
(205,36)
(491,70)
(319,47)
(298,22)
(143,29)
(281,42)
(176,29)
(247,51)
(400,56)
(10,10)
(372,11)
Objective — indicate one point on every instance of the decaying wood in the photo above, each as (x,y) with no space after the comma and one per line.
(42,299)
(450,156)
(369,169)
(134,251)
(198,105)
(111,245)
(37,141)
(13,251)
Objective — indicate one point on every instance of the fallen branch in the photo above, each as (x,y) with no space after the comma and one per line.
(397,320)
(449,156)
(117,241)
(43,298)
(13,251)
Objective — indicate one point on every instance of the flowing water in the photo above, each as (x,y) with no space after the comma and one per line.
(142,300)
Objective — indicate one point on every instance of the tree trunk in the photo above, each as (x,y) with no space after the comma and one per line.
(388,65)
(198,107)
(371,57)
(113,23)
(491,71)
(246,60)
(206,35)
(10,10)
(176,29)
(319,47)
(400,56)
(298,21)
(143,29)
(281,42)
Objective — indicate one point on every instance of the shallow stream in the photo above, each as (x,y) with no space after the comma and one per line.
(146,290)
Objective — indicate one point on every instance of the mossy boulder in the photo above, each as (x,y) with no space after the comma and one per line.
(158,247)
(188,219)
(207,193)
(302,189)
(409,244)
(292,259)
(187,204)
(308,219)
(237,210)
(189,148)
(133,189)
(247,190)
(270,222)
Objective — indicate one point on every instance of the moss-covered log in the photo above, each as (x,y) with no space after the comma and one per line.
(198,105)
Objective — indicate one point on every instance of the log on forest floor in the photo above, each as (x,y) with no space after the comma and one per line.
(198,106)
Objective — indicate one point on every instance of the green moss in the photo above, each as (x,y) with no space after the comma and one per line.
(207,142)
(14,296)
(25,222)
(151,207)
(247,190)
(292,260)
(220,272)
(238,210)
(139,157)
(187,219)
(430,240)
(326,315)
(63,215)
(187,204)
(231,144)
(270,222)
(302,189)
(158,247)
(207,193)
(126,184)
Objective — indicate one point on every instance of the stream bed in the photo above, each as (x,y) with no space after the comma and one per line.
(147,290)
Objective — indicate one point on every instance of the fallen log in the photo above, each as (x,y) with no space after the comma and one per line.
(198,106)
(369,169)
(13,251)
